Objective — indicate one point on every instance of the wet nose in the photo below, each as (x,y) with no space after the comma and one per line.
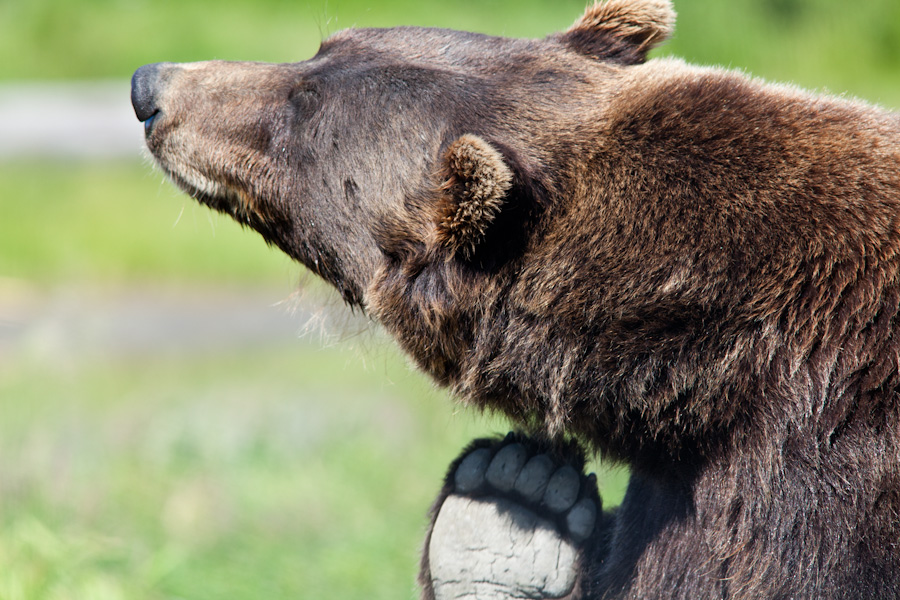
(145,90)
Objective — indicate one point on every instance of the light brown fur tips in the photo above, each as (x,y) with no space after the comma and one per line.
(476,180)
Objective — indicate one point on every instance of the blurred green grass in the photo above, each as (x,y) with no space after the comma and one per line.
(196,480)
(294,471)
(69,223)
(291,472)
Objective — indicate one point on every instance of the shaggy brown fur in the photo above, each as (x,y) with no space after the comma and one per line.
(688,270)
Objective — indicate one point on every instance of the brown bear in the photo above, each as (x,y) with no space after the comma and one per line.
(684,269)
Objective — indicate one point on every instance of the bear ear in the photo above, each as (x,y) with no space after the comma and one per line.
(622,30)
(476,179)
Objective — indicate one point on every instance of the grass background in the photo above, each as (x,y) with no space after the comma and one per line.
(296,469)
(816,43)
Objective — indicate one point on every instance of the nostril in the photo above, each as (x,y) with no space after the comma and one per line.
(144,90)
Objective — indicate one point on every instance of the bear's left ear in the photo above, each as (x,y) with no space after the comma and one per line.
(621,31)
(476,179)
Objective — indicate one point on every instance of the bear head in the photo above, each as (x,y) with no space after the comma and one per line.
(593,243)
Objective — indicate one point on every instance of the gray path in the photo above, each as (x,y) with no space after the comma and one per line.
(68,120)
(92,323)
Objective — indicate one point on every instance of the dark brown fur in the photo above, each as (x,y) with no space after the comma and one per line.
(690,271)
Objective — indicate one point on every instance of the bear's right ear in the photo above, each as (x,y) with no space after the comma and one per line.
(475,181)
(621,31)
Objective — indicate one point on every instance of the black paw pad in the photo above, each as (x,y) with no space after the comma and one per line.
(542,481)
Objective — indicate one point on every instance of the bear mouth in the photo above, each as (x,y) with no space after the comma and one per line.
(149,123)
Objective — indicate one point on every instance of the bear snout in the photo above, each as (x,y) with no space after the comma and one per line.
(145,84)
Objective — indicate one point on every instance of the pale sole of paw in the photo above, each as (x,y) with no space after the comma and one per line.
(496,550)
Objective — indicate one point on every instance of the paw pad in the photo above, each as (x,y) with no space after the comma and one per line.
(515,525)
(548,486)
(505,466)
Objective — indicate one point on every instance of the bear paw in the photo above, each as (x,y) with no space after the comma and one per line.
(515,524)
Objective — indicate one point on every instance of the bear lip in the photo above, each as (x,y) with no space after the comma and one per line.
(148,123)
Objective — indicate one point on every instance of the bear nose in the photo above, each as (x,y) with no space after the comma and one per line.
(144,90)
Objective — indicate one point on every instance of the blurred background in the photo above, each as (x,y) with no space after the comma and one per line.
(183,413)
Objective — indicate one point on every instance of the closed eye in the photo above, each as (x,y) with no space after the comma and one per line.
(305,99)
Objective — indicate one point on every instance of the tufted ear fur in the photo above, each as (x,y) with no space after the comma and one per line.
(622,30)
(476,179)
